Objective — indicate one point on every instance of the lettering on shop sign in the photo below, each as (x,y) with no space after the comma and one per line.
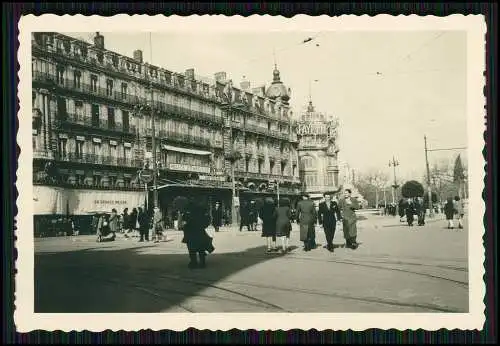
(316,128)
(101,201)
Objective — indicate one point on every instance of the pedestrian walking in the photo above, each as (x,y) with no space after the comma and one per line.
(348,206)
(244,216)
(410,212)
(157,225)
(195,236)
(283,224)
(217,216)
(126,222)
(133,224)
(328,215)
(267,214)
(449,212)
(459,208)
(307,216)
(252,216)
(113,221)
(143,223)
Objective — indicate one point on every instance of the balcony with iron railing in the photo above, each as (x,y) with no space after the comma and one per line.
(87,121)
(99,160)
(43,154)
(181,138)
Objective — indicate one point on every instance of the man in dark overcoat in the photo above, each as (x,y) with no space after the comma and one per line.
(328,214)
(307,216)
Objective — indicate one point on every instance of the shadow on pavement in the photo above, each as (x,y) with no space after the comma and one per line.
(126,280)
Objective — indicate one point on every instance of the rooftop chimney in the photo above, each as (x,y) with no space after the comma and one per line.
(190,73)
(220,76)
(138,55)
(99,40)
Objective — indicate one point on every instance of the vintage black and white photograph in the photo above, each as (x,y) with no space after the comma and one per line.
(267,167)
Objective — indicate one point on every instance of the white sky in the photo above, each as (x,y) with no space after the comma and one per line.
(421,88)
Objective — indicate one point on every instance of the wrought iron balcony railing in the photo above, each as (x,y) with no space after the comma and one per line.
(97,123)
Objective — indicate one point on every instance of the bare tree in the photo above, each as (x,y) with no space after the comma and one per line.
(444,181)
(375,180)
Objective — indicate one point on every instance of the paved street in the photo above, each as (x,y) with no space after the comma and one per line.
(395,269)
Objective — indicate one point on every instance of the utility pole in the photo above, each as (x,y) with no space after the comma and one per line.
(394,163)
(153,137)
(429,191)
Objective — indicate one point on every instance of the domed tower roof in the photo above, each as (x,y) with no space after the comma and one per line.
(277,89)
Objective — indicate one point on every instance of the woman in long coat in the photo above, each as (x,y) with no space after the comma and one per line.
(283,224)
(268,217)
(459,209)
(195,237)
(449,212)
(113,221)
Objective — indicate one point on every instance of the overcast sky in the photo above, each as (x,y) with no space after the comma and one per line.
(388,89)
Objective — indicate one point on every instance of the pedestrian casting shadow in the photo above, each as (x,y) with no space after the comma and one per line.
(126,280)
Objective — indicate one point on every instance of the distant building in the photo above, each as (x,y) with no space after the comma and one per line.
(92,131)
(318,149)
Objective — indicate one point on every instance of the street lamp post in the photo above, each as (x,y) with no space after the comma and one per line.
(153,144)
(429,191)
(394,163)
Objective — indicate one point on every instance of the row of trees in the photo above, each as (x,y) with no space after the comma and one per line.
(376,185)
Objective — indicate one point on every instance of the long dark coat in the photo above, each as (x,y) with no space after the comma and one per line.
(195,235)
(268,216)
(449,210)
(307,216)
(283,225)
(217,217)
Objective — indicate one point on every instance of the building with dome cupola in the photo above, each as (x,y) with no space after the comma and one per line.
(318,149)
(277,90)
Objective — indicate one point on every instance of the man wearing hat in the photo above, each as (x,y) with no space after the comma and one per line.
(217,216)
(307,217)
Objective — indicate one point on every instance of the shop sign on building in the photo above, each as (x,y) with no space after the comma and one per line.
(189,168)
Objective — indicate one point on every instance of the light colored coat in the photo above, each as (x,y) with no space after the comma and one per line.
(349,217)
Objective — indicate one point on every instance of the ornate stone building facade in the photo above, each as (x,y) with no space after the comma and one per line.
(92,130)
(318,149)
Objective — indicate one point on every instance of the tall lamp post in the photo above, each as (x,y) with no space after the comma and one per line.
(139,108)
(234,155)
(394,163)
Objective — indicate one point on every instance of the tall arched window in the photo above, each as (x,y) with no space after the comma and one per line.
(308,162)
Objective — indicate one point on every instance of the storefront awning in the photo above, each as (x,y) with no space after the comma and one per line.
(186,150)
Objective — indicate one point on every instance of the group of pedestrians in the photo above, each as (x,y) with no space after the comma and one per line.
(413,208)
(276,221)
(138,222)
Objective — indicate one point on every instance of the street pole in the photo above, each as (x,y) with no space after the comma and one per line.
(278,191)
(153,137)
(153,144)
(233,204)
(429,191)
(394,163)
